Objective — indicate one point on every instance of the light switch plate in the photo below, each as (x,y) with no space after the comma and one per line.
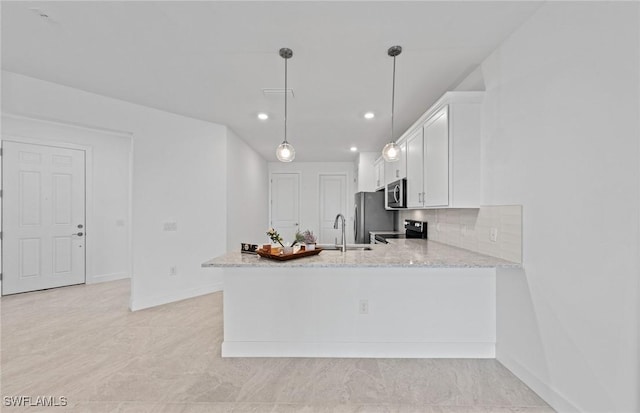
(170,226)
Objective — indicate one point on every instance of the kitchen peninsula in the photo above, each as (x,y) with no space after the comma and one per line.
(409,298)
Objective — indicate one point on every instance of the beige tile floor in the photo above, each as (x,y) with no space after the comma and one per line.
(83,343)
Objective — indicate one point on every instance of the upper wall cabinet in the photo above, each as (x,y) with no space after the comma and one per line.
(443,154)
(415,169)
(398,169)
(379,170)
(366,171)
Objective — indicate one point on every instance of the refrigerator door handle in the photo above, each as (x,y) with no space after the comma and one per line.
(355,222)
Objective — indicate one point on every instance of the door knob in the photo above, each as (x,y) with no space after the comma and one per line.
(78,234)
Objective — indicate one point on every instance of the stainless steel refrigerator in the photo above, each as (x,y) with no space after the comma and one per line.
(370,215)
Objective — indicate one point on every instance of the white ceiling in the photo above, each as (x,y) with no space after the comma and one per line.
(211,60)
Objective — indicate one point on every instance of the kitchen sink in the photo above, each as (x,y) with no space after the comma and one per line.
(350,247)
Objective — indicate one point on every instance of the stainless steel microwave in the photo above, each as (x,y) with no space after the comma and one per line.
(397,194)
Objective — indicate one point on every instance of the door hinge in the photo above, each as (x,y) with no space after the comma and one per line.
(0,276)
(0,235)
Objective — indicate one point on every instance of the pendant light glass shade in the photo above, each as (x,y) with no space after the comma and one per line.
(285,152)
(391,151)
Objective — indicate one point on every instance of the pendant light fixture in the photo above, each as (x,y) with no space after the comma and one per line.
(391,151)
(285,151)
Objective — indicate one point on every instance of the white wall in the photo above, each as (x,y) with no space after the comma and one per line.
(247,194)
(108,228)
(561,137)
(179,175)
(310,190)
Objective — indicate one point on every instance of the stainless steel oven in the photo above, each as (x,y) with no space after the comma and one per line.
(412,229)
(397,194)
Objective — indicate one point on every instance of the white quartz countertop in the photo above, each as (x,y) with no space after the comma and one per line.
(398,253)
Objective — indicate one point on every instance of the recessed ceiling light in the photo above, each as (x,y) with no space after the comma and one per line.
(369,115)
(263,116)
(354,149)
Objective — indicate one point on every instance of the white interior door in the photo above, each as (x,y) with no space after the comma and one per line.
(285,204)
(43,217)
(332,198)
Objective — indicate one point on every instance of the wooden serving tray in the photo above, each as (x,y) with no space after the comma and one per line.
(299,254)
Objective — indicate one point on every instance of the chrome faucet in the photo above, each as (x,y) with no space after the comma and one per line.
(343,247)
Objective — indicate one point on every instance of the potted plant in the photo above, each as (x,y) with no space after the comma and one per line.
(275,237)
(309,240)
(299,240)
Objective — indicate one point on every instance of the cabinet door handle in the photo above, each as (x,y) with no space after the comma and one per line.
(420,197)
(397,173)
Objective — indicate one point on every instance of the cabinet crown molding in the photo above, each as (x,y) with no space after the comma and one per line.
(446,99)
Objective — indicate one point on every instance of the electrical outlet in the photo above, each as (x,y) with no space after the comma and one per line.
(173,271)
(363,307)
(493,235)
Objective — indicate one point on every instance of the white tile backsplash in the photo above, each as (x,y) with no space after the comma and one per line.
(471,228)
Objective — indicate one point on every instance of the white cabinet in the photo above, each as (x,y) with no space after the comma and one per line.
(379,169)
(415,171)
(435,135)
(398,169)
(443,154)
(428,163)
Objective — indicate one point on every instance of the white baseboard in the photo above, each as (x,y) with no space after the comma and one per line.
(360,350)
(550,395)
(96,279)
(178,295)
(107,277)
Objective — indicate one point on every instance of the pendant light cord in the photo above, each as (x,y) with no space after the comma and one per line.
(286,92)
(393,95)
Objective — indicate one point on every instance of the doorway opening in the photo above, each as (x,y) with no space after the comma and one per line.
(66,204)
